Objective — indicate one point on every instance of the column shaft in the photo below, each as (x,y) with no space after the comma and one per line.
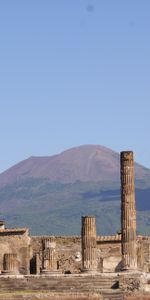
(49,258)
(128,211)
(10,263)
(88,240)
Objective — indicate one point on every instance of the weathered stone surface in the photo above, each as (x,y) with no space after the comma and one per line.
(112,263)
(133,282)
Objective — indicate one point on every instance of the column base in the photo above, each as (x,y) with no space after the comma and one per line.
(7,272)
(129,270)
(89,271)
(49,272)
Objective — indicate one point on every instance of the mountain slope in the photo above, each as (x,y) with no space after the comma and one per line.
(85,163)
(48,208)
(50,194)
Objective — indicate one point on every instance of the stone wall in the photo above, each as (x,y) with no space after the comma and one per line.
(143,250)
(108,252)
(16,241)
(69,253)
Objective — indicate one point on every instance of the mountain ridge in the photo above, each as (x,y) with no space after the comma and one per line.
(84,163)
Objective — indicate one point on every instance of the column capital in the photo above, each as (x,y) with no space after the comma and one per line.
(126,155)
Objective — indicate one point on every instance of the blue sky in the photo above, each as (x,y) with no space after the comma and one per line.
(74,72)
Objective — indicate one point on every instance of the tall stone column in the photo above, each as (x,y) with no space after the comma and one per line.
(88,241)
(10,263)
(128,212)
(49,259)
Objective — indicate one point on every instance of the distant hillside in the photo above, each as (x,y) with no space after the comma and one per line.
(50,194)
(92,163)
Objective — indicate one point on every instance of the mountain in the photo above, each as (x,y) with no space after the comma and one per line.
(92,163)
(50,194)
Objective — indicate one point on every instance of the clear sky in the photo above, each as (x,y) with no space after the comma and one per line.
(74,72)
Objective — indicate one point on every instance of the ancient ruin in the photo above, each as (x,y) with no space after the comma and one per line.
(49,261)
(86,267)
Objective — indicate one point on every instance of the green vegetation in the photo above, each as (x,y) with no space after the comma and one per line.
(57,208)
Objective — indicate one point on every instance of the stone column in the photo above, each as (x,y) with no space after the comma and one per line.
(140,256)
(37,264)
(88,241)
(128,212)
(10,263)
(49,258)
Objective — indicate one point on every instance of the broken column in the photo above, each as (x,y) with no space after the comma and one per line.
(10,263)
(128,212)
(88,241)
(49,258)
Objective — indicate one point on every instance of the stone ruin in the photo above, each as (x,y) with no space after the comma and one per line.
(125,254)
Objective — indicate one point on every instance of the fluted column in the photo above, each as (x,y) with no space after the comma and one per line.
(128,212)
(51,261)
(10,263)
(88,240)
(49,258)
